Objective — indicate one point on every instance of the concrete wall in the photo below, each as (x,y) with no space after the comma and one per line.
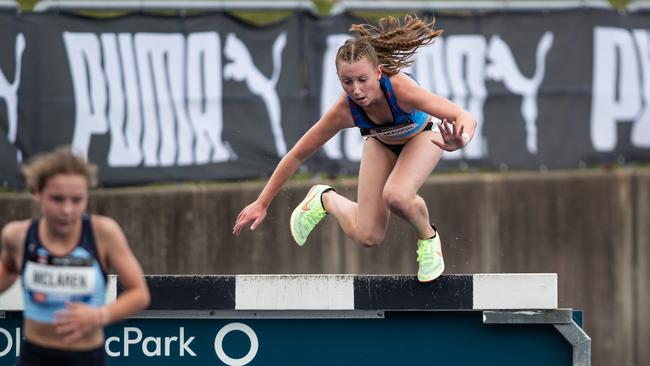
(591,228)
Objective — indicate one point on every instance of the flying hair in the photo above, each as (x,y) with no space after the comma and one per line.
(390,44)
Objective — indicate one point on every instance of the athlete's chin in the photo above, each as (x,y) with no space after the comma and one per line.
(63,227)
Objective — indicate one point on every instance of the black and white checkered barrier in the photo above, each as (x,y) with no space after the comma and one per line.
(339,292)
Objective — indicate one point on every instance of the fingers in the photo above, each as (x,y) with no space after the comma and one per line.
(453,137)
(259,219)
(242,221)
(254,213)
(74,321)
(64,328)
(236,229)
(440,145)
(64,315)
(238,223)
(444,128)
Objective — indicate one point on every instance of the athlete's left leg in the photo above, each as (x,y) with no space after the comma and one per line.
(414,165)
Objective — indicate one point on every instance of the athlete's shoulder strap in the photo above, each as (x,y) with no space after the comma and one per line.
(89,243)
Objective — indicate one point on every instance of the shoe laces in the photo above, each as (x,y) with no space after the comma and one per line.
(425,251)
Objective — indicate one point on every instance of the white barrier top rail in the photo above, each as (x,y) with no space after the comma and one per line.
(483,291)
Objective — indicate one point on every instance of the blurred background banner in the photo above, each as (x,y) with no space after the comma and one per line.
(152,98)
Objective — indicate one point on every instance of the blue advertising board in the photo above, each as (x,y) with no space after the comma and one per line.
(397,338)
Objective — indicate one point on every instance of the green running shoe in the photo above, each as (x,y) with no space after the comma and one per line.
(308,214)
(430,260)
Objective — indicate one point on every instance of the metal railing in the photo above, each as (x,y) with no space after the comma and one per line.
(639,5)
(9,4)
(338,8)
(48,5)
(356,5)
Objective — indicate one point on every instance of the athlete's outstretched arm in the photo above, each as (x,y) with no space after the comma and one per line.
(337,118)
(78,319)
(457,126)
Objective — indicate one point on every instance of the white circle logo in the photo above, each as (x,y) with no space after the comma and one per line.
(218,344)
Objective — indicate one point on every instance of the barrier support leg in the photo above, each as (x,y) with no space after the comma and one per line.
(561,320)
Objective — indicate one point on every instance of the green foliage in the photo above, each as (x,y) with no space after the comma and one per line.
(261,17)
(27,4)
(619,4)
(324,6)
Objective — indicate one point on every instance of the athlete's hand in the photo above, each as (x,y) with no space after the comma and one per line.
(77,320)
(452,138)
(255,212)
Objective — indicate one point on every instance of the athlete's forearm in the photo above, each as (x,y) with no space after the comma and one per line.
(128,303)
(7,278)
(285,170)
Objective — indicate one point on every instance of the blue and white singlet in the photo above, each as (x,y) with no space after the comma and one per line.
(404,124)
(50,281)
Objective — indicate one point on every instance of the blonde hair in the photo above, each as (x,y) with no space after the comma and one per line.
(62,160)
(390,44)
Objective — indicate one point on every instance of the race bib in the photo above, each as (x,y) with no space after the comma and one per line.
(392,130)
(60,281)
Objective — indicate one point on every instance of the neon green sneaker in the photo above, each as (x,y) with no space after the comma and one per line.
(431,264)
(308,214)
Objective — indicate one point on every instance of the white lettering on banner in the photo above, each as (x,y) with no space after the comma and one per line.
(11,341)
(464,65)
(503,67)
(133,339)
(160,56)
(641,128)
(242,68)
(9,92)
(136,85)
(455,67)
(252,337)
(89,85)
(621,86)
(204,94)
(151,346)
(125,134)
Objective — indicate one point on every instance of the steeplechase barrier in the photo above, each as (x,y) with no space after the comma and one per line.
(479,319)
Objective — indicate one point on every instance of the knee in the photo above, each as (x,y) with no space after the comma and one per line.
(370,240)
(396,201)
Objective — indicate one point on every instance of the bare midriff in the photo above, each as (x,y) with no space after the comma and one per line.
(45,335)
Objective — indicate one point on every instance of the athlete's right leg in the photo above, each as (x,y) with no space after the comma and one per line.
(365,221)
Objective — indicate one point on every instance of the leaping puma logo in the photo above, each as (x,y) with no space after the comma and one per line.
(242,68)
(9,92)
(502,67)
